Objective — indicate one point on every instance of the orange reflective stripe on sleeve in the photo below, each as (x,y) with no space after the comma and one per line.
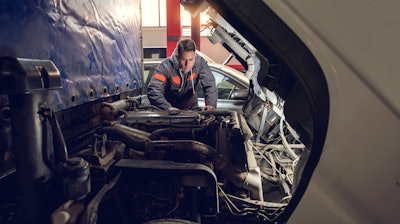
(160,77)
(192,76)
(176,79)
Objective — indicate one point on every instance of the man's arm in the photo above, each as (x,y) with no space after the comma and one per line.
(156,89)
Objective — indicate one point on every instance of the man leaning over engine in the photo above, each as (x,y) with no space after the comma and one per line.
(174,82)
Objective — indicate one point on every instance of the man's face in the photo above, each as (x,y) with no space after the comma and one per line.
(186,60)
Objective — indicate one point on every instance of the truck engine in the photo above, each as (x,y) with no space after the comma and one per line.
(199,166)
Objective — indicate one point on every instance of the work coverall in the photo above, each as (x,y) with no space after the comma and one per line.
(171,87)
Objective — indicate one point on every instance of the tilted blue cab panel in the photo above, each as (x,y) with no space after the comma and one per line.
(96,45)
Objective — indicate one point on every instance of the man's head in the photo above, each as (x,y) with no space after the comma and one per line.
(186,53)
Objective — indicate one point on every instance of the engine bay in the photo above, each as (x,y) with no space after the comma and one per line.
(199,166)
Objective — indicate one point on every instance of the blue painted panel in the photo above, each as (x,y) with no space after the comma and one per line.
(95,44)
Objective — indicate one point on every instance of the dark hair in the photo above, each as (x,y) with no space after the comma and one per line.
(185,45)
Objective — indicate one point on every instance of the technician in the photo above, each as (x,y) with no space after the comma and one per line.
(174,82)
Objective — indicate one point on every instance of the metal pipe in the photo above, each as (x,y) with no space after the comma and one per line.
(119,105)
(61,149)
(136,133)
(187,146)
(253,180)
(128,140)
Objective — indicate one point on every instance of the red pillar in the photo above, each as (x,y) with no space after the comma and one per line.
(174,30)
(195,30)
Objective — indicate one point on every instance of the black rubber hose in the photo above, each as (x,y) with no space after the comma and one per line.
(185,145)
(216,112)
(158,132)
(61,147)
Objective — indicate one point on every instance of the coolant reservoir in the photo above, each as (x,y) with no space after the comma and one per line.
(76,178)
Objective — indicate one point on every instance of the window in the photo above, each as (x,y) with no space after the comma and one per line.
(151,13)
(225,86)
(154,14)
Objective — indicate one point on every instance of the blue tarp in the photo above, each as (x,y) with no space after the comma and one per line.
(95,44)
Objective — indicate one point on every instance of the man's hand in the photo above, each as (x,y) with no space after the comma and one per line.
(208,108)
(173,108)
(174,111)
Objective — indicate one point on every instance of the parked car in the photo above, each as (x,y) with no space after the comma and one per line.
(232,84)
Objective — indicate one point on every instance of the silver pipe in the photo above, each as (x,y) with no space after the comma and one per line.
(136,133)
(250,180)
